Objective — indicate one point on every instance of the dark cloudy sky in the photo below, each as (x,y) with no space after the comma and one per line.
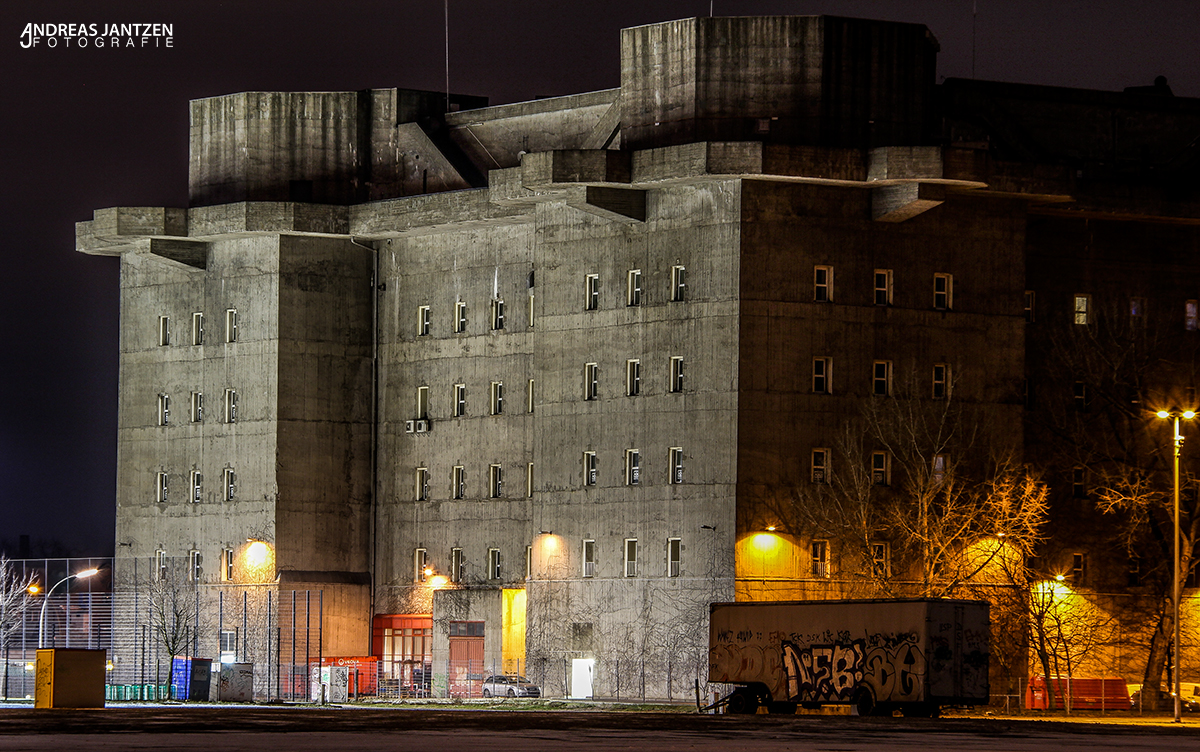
(87,128)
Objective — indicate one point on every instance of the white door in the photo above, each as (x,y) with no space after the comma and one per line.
(581,678)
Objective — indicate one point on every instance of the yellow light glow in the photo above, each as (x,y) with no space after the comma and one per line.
(770,528)
(766,541)
(1188,414)
(1059,577)
(428,571)
(437,582)
(29,667)
(108,666)
(87,573)
(34,589)
(550,541)
(1163,414)
(256,554)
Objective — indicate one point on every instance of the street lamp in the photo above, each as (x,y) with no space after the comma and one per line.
(1175,589)
(46,601)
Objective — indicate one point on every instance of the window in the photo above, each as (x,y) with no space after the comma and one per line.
(674,556)
(941,380)
(229,484)
(529,481)
(458,482)
(493,563)
(677,374)
(420,561)
(678,283)
(880,561)
(822,376)
(460,317)
(591,292)
(1134,572)
(880,468)
(1030,300)
(197,328)
(1078,568)
(460,400)
(590,469)
(423,321)
(231,406)
(633,467)
(938,470)
(496,481)
(675,463)
(228,640)
(633,377)
(881,378)
(160,487)
(943,291)
(1083,307)
(231,325)
(422,402)
(1137,307)
(1080,397)
(634,293)
(1078,484)
(195,566)
(497,314)
(820,466)
(591,381)
(823,284)
(883,287)
(160,563)
(529,397)
(456,565)
(820,558)
(497,393)
(164,409)
(164,331)
(529,562)
(465,629)
(530,312)
(631,553)
(197,486)
(589,558)
(422,488)
(227,565)
(1190,316)
(197,407)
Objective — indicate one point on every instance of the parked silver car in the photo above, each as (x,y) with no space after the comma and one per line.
(510,685)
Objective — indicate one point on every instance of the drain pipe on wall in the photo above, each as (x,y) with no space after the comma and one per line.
(376,288)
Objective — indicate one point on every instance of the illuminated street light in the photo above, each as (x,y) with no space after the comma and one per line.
(1176,590)
(42,619)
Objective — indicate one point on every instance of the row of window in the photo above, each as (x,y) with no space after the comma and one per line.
(633,378)
(162,490)
(819,559)
(1083,315)
(195,567)
(231,328)
(881,378)
(881,467)
(197,407)
(422,568)
(943,287)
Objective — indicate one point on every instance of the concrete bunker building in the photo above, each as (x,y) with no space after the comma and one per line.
(525,383)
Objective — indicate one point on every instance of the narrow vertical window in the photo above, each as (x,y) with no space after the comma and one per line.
(195,566)
(458,482)
(591,470)
(1190,315)
(591,381)
(943,292)
(197,407)
(1078,484)
(589,558)
(529,562)
(229,484)
(633,467)
(231,406)
(820,558)
(460,317)
(677,374)
(496,481)
(227,565)
(420,561)
(1078,568)
(880,560)
(633,377)
(164,409)
(160,487)
(197,328)
(422,402)
(422,486)
(675,465)
(823,284)
(678,283)
(591,292)
(164,331)
(674,556)
(941,380)
(1080,397)
(493,563)
(456,565)
(1083,307)
(231,325)
(938,472)
(530,314)
(820,466)
(497,397)
(529,481)
(529,397)
(1030,310)
(883,287)
(460,400)
(880,468)
(197,486)
(631,557)
(423,321)
(1137,307)
(822,375)
(634,293)
(497,314)
(881,378)
(1133,576)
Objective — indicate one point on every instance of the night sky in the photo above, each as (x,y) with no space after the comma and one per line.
(82,129)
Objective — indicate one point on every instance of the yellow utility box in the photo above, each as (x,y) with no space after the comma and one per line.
(69,678)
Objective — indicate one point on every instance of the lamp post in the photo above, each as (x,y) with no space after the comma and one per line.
(46,601)
(1175,588)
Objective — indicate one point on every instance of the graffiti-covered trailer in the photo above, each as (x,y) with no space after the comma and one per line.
(879,655)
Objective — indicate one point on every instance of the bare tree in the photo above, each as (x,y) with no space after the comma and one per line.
(14,602)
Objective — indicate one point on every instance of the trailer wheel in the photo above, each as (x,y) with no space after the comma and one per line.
(864,701)
(743,701)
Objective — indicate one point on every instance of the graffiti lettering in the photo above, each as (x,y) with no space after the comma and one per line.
(893,666)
